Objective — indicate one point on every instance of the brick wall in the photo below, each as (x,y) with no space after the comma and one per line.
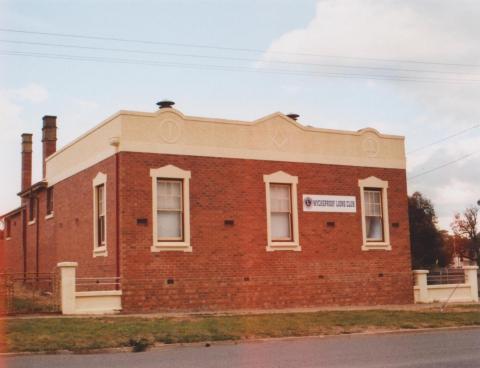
(73,221)
(68,235)
(230,268)
(13,246)
(3,289)
(41,228)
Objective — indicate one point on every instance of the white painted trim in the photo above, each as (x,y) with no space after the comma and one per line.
(376,183)
(209,137)
(67,264)
(281,177)
(100,179)
(263,154)
(50,216)
(81,165)
(32,222)
(100,251)
(171,172)
(99,293)
(98,302)
(84,135)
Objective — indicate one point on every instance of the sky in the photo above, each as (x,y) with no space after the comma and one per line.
(407,67)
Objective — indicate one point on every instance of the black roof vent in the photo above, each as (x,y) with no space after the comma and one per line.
(165,104)
(293,116)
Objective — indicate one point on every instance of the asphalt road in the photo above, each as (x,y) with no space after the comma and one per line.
(452,348)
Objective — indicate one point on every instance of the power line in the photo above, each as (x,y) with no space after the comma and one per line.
(443,139)
(442,166)
(224,48)
(161,53)
(238,68)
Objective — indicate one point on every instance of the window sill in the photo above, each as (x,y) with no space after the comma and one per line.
(9,238)
(100,251)
(49,216)
(31,222)
(272,247)
(376,246)
(171,246)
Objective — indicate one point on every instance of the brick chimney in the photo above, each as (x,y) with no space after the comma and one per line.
(26,161)
(49,138)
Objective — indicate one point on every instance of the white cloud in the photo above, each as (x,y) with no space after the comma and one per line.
(10,125)
(31,93)
(453,197)
(437,31)
(407,30)
(428,30)
(9,110)
(14,121)
(455,191)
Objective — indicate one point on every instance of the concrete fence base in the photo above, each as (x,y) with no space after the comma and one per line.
(85,302)
(455,293)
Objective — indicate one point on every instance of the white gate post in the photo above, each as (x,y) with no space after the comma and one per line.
(471,279)
(68,272)
(421,283)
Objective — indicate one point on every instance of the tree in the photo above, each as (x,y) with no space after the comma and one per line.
(448,248)
(429,245)
(465,228)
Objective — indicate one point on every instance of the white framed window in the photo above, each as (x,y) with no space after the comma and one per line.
(282,211)
(374,203)
(100,215)
(171,209)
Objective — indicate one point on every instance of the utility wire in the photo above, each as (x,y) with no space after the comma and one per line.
(219,67)
(224,48)
(161,53)
(443,139)
(442,166)
(238,68)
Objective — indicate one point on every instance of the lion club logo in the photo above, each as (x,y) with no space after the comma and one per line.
(308,201)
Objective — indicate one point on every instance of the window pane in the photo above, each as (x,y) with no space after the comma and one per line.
(280,225)
(373,203)
(100,200)
(169,195)
(101,231)
(169,224)
(374,228)
(279,198)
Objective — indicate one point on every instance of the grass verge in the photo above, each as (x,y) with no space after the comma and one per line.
(81,334)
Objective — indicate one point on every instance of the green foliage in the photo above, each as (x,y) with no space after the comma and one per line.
(465,228)
(428,244)
(29,305)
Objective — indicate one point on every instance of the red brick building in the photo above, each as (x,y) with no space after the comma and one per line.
(211,214)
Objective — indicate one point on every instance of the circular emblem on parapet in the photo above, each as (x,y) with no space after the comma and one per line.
(370,146)
(170,131)
(307,201)
(280,138)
